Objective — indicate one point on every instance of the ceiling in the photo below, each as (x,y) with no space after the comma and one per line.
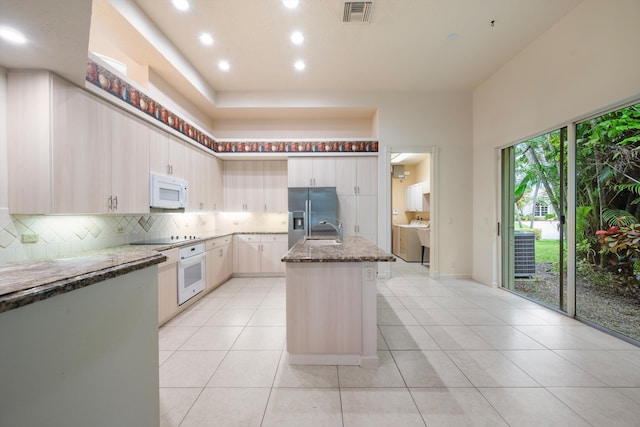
(406,46)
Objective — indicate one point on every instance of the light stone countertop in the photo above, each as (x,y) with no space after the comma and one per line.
(352,249)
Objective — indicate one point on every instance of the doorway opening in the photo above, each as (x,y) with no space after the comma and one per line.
(411,207)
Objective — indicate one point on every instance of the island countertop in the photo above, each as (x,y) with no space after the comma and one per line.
(352,249)
(23,283)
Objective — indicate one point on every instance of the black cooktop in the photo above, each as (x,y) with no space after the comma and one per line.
(165,241)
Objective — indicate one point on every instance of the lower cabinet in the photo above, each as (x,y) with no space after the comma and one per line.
(168,286)
(219,261)
(253,254)
(260,253)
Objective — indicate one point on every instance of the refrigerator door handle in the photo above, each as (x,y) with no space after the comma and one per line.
(307,208)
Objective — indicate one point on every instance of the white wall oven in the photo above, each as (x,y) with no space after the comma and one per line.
(191,272)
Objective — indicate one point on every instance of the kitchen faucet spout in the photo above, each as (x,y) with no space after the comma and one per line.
(339,229)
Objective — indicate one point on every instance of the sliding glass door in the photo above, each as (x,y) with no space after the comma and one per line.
(533,214)
(608,221)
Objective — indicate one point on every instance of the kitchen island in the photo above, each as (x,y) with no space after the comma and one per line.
(331,302)
(79,340)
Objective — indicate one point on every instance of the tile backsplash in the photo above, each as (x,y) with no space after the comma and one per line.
(59,236)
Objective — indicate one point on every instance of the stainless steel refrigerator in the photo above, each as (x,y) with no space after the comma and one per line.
(307,207)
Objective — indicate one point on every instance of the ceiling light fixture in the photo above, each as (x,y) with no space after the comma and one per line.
(297,37)
(181,4)
(300,65)
(206,39)
(400,157)
(12,35)
(290,4)
(224,65)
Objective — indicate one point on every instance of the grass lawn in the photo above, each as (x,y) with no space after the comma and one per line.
(547,250)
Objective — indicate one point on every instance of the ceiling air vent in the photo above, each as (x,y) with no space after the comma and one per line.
(357,11)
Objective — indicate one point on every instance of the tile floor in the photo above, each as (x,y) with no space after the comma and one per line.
(452,353)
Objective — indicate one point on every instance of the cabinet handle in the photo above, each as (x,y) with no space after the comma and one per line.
(115,199)
(110,203)
(355,190)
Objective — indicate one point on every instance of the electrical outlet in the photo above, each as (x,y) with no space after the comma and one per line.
(119,229)
(30,238)
(369,273)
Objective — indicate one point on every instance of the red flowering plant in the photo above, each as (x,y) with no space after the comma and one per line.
(621,251)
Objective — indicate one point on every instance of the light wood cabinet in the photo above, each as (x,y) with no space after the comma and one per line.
(216,184)
(312,171)
(255,186)
(356,182)
(356,176)
(168,286)
(260,253)
(129,163)
(219,261)
(275,185)
(198,175)
(243,186)
(167,155)
(75,153)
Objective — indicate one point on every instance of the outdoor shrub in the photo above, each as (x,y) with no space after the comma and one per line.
(550,216)
(621,251)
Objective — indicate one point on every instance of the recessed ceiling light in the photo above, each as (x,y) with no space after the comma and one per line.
(181,4)
(300,65)
(451,37)
(224,65)
(297,37)
(206,39)
(290,4)
(12,35)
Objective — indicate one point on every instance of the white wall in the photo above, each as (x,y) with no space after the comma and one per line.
(586,62)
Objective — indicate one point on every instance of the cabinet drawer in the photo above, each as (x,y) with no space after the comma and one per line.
(249,238)
(172,257)
(275,238)
(217,242)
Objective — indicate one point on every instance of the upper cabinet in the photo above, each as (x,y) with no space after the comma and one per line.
(243,186)
(356,176)
(255,185)
(416,198)
(167,155)
(70,152)
(275,185)
(312,172)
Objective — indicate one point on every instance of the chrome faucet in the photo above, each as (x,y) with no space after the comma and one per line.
(339,229)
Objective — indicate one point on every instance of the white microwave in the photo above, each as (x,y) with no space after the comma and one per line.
(167,192)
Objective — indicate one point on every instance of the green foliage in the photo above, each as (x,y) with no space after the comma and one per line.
(618,217)
(621,249)
(550,216)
